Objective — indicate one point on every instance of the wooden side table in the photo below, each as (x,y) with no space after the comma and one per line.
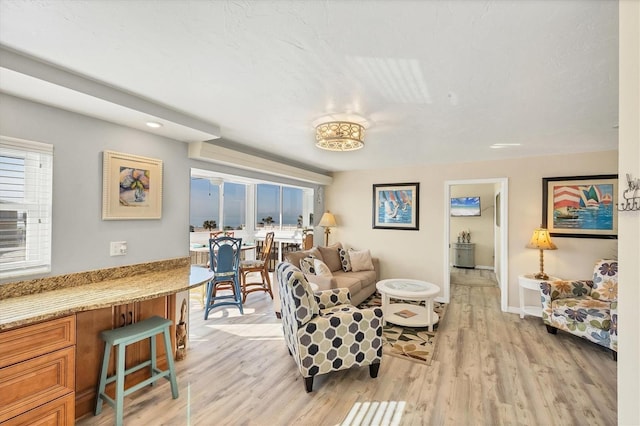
(530,282)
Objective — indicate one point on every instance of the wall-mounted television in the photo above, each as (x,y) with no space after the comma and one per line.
(465,206)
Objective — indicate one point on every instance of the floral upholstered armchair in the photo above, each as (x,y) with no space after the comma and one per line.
(323,331)
(586,308)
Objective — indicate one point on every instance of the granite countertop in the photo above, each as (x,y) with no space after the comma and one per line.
(26,309)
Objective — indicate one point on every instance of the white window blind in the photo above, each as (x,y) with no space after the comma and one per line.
(25,207)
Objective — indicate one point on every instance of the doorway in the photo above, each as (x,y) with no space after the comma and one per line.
(499,220)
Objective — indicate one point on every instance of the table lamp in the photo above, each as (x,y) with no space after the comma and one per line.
(328,220)
(541,240)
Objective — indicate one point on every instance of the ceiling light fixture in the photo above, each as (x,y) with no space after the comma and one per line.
(503,145)
(339,136)
(154,124)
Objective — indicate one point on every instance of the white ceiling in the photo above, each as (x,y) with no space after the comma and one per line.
(437,81)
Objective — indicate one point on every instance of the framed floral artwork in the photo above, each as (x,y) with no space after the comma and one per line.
(396,206)
(580,206)
(131,187)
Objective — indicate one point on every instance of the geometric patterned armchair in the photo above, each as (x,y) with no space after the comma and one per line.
(586,308)
(323,331)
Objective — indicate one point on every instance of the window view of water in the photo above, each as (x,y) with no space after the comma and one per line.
(205,205)
(204,202)
(235,205)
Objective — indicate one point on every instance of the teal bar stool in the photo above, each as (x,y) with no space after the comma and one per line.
(121,337)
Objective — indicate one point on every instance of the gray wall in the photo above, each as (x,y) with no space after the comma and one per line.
(80,237)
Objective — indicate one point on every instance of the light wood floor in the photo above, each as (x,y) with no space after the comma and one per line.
(490,368)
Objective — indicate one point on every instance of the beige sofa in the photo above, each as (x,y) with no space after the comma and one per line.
(361,284)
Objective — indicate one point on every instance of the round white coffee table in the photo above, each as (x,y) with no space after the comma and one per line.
(404,313)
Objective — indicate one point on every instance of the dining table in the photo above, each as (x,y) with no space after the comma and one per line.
(280,241)
(198,251)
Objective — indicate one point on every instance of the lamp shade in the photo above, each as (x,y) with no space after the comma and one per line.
(541,240)
(327,219)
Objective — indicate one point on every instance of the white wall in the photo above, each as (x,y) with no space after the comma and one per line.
(629,222)
(481,227)
(419,254)
(80,237)
(497,231)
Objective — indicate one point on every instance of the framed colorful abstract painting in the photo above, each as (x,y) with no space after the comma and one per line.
(131,187)
(580,206)
(396,206)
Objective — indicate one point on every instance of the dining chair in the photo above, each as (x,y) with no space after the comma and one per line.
(307,240)
(224,261)
(216,234)
(260,266)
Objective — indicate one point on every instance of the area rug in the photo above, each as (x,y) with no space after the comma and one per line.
(416,344)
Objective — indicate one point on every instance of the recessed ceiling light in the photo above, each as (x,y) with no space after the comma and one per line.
(503,145)
(154,124)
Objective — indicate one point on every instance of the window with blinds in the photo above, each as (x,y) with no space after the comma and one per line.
(25,207)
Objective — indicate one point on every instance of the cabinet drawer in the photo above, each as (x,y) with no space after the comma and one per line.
(59,412)
(28,384)
(34,340)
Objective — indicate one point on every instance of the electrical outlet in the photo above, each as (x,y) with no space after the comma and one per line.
(118,248)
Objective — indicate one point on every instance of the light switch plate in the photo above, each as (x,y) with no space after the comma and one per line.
(118,248)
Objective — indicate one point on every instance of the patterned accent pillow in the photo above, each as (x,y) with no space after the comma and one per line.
(344,259)
(321,268)
(306,265)
(360,260)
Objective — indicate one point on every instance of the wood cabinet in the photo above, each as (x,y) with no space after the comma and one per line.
(57,412)
(464,255)
(90,346)
(37,373)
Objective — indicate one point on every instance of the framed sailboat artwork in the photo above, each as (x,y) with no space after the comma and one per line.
(580,206)
(396,206)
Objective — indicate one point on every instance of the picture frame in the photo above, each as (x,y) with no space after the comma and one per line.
(580,206)
(396,206)
(465,206)
(131,187)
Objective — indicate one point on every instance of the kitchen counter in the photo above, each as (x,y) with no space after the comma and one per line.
(75,297)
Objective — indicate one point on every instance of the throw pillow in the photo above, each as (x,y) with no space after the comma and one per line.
(306,265)
(330,256)
(360,260)
(321,268)
(294,257)
(344,259)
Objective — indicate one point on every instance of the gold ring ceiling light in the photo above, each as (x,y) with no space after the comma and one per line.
(339,136)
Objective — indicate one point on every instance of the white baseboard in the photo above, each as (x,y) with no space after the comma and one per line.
(490,268)
(475,267)
(513,310)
